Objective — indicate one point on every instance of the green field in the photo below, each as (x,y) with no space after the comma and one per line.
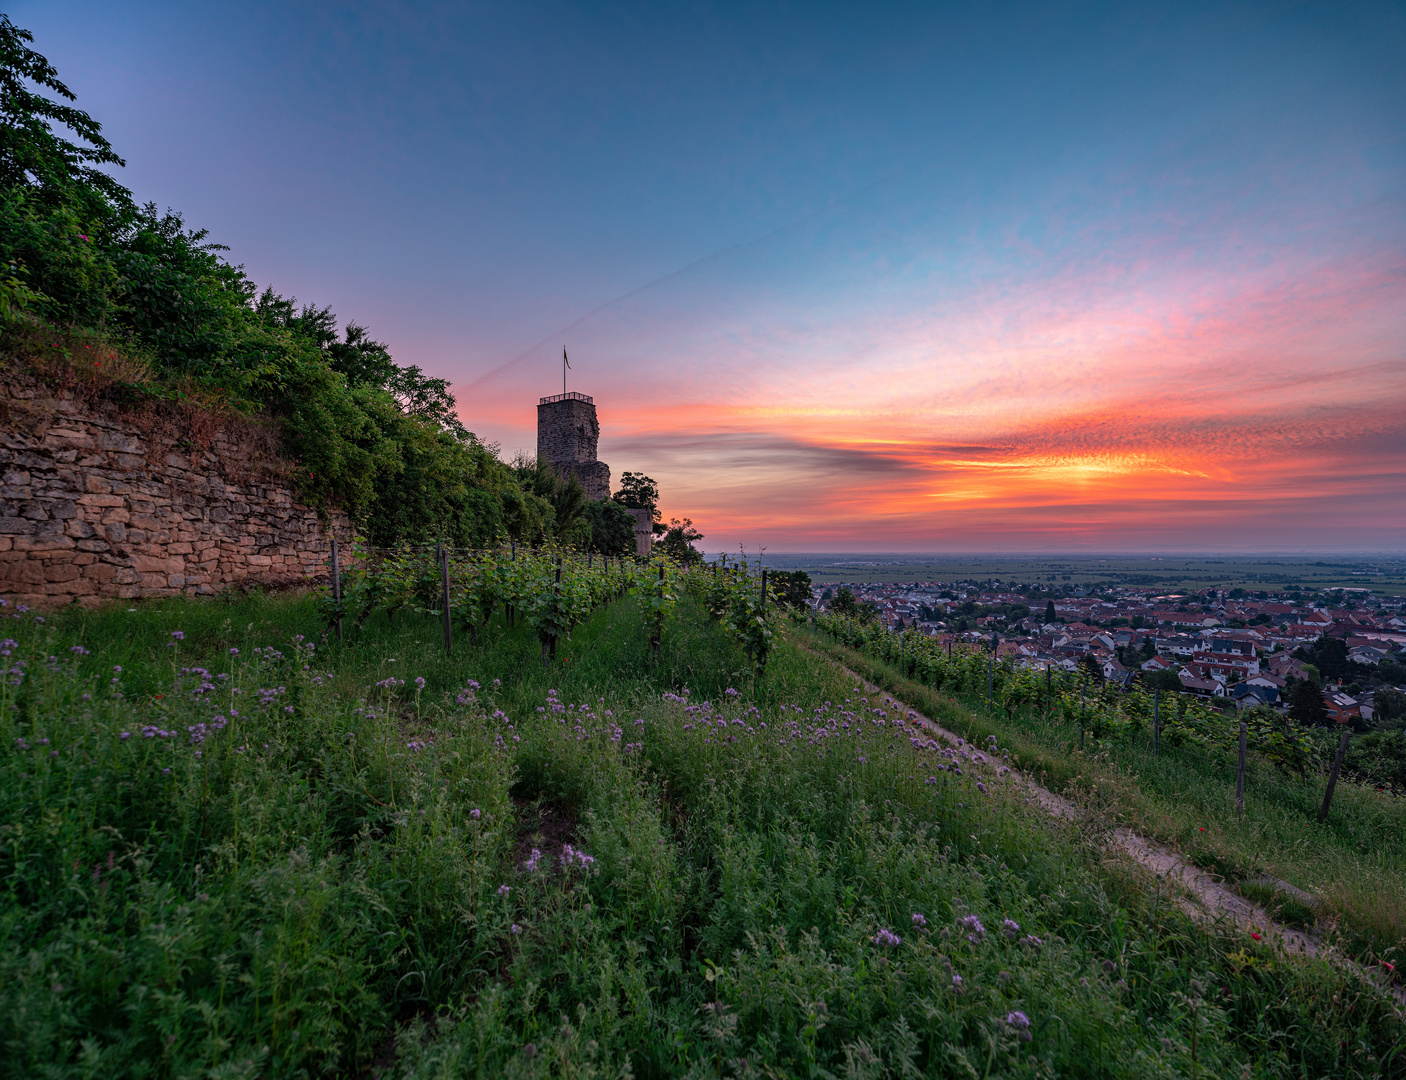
(1384,573)
(608,865)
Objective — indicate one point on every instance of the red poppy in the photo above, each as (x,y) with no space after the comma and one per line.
(1201,827)
(1256,936)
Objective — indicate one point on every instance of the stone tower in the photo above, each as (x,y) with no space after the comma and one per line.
(567,435)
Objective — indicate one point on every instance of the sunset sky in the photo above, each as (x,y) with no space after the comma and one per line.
(903,277)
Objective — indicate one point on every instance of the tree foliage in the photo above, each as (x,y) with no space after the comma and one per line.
(678,542)
(791,587)
(1306,702)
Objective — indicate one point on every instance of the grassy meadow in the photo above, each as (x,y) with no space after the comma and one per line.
(231,848)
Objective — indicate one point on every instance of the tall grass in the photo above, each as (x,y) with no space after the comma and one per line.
(601,866)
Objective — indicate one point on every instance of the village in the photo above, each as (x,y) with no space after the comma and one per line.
(1235,645)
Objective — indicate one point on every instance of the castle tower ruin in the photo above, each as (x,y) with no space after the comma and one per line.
(567,436)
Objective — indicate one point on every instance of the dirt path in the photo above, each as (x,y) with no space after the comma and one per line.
(1200,894)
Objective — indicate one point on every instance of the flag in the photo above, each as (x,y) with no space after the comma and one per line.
(564,360)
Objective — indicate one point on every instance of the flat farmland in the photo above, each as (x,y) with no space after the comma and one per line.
(1382,573)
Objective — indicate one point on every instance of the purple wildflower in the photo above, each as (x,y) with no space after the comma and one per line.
(1018,1022)
(475,813)
(1010,928)
(918,920)
(504,890)
(975,931)
(177,635)
(887,938)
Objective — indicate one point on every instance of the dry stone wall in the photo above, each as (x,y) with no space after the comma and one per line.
(99,503)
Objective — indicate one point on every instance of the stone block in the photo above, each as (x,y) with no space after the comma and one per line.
(16,478)
(63,509)
(78,529)
(43,543)
(152,564)
(59,438)
(96,499)
(97,485)
(15,525)
(61,571)
(99,572)
(125,575)
(84,558)
(93,545)
(258,560)
(179,548)
(28,572)
(72,587)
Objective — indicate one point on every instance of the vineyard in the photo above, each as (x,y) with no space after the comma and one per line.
(550,590)
(1112,716)
(1276,820)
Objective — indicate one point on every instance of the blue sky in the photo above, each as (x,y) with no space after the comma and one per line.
(815,261)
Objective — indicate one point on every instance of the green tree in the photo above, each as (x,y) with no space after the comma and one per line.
(612,528)
(640,492)
(792,587)
(1050,615)
(1165,680)
(1389,707)
(1306,702)
(844,602)
(32,155)
(678,542)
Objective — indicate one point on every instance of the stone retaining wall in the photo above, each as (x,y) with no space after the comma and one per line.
(95,504)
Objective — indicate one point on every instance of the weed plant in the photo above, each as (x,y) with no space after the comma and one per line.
(300,859)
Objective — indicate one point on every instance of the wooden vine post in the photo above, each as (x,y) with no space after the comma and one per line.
(1240,772)
(658,636)
(556,605)
(337,586)
(444,584)
(1081,716)
(1333,775)
(1156,719)
(507,606)
(991,671)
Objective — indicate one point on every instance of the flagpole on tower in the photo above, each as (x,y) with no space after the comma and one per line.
(565,363)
